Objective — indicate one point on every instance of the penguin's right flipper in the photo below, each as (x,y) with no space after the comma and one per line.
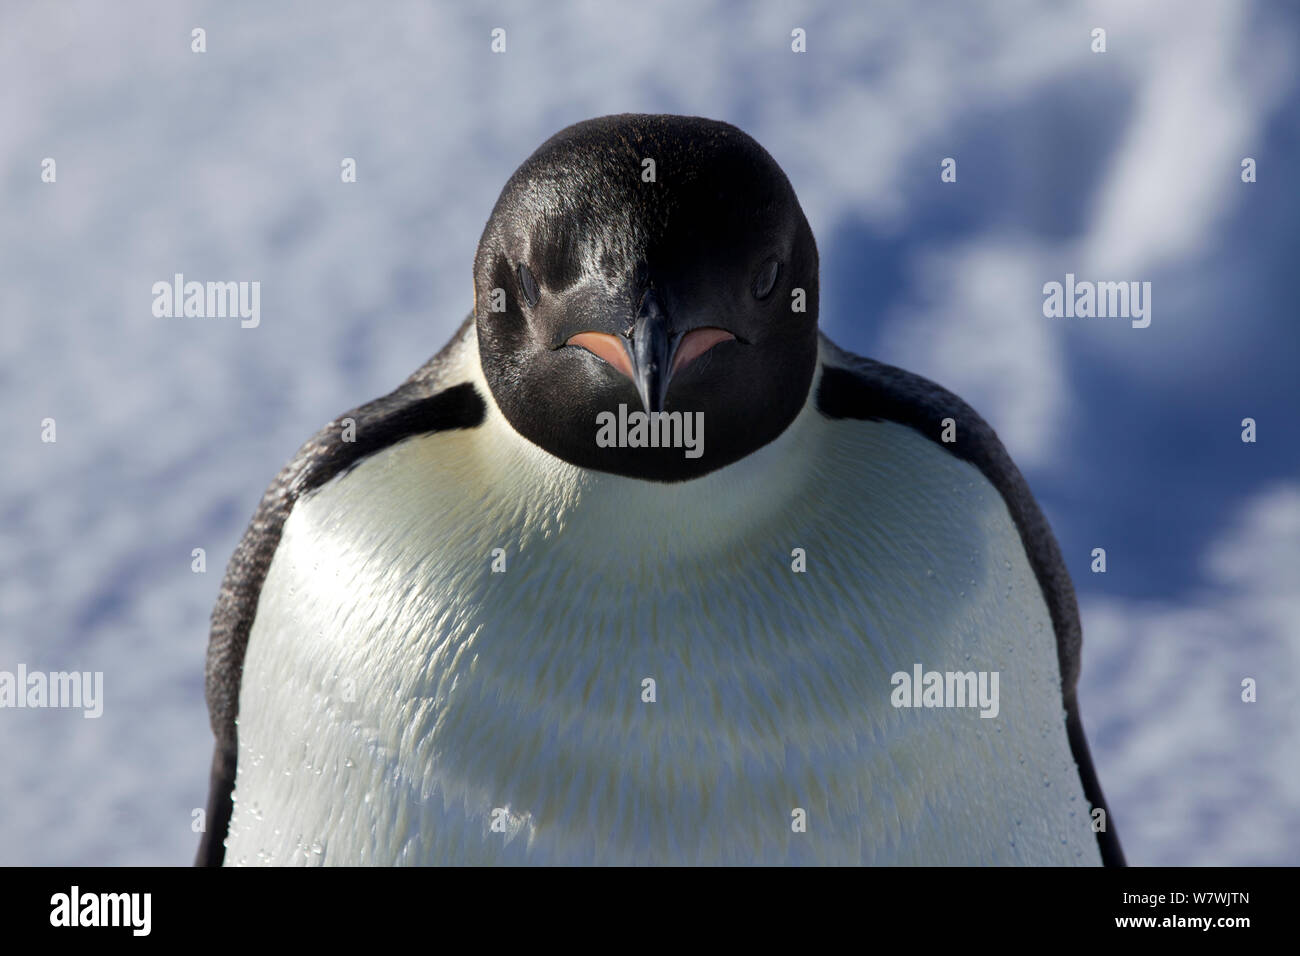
(421,405)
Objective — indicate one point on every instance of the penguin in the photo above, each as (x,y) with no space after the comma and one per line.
(641,568)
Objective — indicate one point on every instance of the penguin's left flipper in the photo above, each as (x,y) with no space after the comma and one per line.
(853,387)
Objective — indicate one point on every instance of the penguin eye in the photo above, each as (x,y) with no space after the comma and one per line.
(765,281)
(528,284)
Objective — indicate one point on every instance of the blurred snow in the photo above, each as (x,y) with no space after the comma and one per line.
(225,166)
(1165,683)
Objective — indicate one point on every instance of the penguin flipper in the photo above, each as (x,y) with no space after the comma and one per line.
(423,404)
(853,387)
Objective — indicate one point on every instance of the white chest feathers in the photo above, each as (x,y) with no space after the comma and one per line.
(650,679)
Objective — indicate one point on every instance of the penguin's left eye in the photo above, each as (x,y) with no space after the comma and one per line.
(528,284)
(765,281)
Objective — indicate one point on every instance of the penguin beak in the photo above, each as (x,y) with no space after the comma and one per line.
(652,354)
(652,349)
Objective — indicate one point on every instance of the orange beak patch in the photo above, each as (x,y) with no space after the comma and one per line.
(610,347)
(606,346)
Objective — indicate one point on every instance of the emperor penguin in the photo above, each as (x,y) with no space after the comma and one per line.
(640,568)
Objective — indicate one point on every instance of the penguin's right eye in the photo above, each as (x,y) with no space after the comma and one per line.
(528,285)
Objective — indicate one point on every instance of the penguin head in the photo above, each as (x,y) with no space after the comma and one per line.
(659,263)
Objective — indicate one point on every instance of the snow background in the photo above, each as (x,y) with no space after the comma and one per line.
(225,166)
